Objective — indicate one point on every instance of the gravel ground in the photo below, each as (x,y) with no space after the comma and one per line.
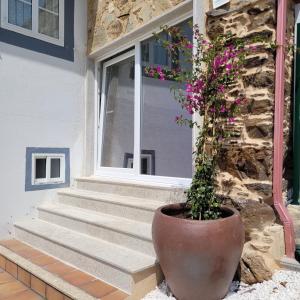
(285,285)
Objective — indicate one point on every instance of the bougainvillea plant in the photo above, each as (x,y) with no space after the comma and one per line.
(217,67)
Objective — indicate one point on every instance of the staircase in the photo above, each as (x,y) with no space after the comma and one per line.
(103,227)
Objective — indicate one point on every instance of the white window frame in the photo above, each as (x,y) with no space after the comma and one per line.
(129,173)
(48,179)
(35,16)
(149,162)
(103,109)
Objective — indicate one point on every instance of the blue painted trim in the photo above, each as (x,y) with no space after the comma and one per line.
(28,175)
(66,52)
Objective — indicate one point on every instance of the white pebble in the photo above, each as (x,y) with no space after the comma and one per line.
(285,285)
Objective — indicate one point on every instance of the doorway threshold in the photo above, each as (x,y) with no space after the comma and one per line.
(143,180)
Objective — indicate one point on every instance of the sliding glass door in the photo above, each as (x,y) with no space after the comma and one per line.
(138,134)
(170,143)
(117,113)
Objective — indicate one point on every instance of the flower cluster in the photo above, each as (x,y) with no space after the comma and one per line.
(217,67)
(205,90)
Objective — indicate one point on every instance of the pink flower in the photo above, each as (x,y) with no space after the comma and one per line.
(189,109)
(151,73)
(231,120)
(223,109)
(228,67)
(231,47)
(162,76)
(221,88)
(217,62)
(197,99)
(198,86)
(189,45)
(238,101)
(189,88)
(189,98)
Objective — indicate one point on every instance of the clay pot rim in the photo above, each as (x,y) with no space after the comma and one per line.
(177,205)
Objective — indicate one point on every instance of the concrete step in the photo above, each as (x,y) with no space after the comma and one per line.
(154,191)
(114,264)
(122,206)
(128,233)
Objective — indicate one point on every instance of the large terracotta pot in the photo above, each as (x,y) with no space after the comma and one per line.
(198,258)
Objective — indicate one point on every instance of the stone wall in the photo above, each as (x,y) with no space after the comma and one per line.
(246,165)
(109,19)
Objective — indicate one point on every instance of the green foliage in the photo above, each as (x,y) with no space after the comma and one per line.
(201,197)
(217,68)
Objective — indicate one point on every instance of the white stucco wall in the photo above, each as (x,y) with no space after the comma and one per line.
(41,105)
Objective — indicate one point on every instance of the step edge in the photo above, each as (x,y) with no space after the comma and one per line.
(97,198)
(49,278)
(52,210)
(158,186)
(120,268)
(75,190)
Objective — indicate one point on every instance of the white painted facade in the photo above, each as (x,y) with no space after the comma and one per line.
(41,105)
(51,102)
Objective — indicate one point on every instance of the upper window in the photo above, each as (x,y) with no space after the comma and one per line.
(41,19)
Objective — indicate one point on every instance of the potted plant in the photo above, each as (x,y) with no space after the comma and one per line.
(199,243)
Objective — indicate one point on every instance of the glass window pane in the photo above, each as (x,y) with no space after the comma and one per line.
(49,18)
(40,168)
(118,131)
(55,168)
(160,55)
(50,5)
(159,131)
(20,13)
